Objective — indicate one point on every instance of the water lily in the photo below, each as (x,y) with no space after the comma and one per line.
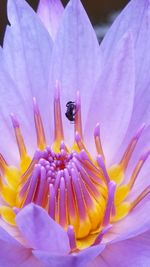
(77,193)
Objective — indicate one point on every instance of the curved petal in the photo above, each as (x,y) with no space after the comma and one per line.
(4,236)
(131,18)
(76,59)
(50,12)
(8,92)
(14,232)
(136,17)
(41,231)
(142,180)
(80,259)
(112,101)
(135,223)
(128,253)
(27,59)
(13,254)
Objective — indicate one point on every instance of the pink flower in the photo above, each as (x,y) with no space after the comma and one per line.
(77,193)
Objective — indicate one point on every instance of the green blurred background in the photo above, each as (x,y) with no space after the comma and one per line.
(99,11)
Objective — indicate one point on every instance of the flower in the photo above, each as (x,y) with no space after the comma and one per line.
(78,194)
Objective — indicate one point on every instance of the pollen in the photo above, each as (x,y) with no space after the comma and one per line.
(79,192)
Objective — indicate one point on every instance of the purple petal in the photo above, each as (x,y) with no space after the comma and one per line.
(4,236)
(27,59)
(131,18)
(112,101)
(135,223)
(142,180)
(8,91)
(41,231)
(50,12)
(128,253)
(136,17)
(76,58)
(80,259)
(14,254)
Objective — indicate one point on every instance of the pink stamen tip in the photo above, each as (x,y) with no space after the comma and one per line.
(14,121)
(78,100)
(83,155)
(77,137)
(110,202)
(16,210)
(102,166)
(71,236)
(101,235)
(139,132)
(37,155)
(97,130)
(145,155)
(62,145)
(35,106)
(57,91)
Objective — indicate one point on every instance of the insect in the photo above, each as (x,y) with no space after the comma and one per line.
(71,111)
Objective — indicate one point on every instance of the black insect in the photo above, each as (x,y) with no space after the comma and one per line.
(71,111)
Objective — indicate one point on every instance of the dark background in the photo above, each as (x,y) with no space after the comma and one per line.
(98,10)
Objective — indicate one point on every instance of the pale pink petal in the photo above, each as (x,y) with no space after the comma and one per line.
(41,231)
(14,254)
(8,91)
(80,259)
(50,12)
(135,17)
(27,59)
(135,223)
(76,59)
(112,101)
(134,252)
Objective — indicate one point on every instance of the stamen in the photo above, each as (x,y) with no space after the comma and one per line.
(137,169)
(90,167)
(103,168)
(58,134)
(63,146)
(41,141)
(19,137)
(74,188)
(62,204)
(78,119)
(110,202)
(101,235)
(3,164)
(33,185)
(16,210)
(79,141)
(86,178)
(140,197)
(52,203)
(78,194)
(28,172)
(42,183)
(98,141)
(72,238)
(129,151)
(72,213)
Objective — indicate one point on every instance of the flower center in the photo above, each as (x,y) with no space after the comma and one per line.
(69,184)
